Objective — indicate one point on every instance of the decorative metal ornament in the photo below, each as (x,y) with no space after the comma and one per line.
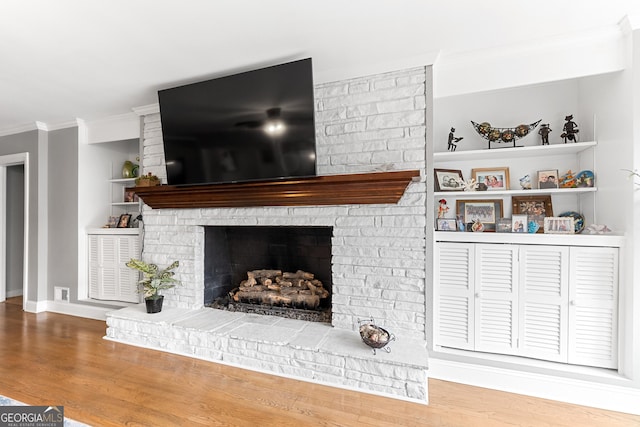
(499,135)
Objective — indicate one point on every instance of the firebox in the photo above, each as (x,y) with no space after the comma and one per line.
(278,270)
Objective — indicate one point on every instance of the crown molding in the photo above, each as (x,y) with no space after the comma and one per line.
(21,128)
(537,61)
(147,109)
(62,125)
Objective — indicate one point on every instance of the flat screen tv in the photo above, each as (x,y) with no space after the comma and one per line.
(256,125)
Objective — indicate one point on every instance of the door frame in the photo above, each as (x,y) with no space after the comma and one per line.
(6,161)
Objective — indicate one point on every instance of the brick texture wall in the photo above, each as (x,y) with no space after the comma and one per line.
(364,124)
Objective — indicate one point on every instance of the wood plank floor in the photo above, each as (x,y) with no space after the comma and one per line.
(52,359)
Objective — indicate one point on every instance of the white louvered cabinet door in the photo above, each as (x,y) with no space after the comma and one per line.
(496,298)
(543,300)
(593,307)
(94,268)
(109,278)
(128,247)
(453,295)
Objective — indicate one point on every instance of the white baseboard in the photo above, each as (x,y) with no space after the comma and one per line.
(579,392)
(79,310)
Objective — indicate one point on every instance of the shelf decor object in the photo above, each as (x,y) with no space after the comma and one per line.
(499,135)
(578,220)
(492,178)
(448,180)
(486,211)
(536,207)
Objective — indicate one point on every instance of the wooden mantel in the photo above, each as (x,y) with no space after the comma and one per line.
(364,188)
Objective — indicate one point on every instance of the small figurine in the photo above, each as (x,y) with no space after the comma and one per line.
(477,226)
(460,223)
(533,227)
(469,185)
(544,132)
(570,129)
(453,140)
(568,180)
(597,229)
(525,182)
(443,208)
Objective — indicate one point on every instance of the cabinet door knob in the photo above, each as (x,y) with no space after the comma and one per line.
(572,302)
(477,295)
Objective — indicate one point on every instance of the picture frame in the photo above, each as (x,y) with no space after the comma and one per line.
(548,179)
(446,224)
(519,223)
(130,196)
(123,221)
(536,207)
(487,211)
(503,225)
(448,180)
(559,225)
(113,221)
(493,178)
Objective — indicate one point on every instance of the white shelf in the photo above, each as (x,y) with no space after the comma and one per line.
(610,240)
(125,204)
(534,192)
(113,231)
(122,180)
(514,152)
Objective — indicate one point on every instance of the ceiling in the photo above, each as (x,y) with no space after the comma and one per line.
(68,59)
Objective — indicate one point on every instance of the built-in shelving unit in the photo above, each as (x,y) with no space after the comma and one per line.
(522,161)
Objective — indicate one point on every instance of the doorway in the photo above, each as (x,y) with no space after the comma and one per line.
(14,228)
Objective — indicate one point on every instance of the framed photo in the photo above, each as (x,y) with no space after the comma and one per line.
(130,196)
(124,220)
(448,180)
(503,225)
(536,207)
(446,224)
(493,178)
(548,178)
(487,211)
(519,223)
(559,225)
(113,221)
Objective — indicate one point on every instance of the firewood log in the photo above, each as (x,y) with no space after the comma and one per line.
(298,275)
(282,282)
(264,273)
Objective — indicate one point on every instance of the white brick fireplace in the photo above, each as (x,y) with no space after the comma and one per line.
(378,254)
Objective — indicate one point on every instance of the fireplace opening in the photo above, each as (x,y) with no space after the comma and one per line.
(282,271)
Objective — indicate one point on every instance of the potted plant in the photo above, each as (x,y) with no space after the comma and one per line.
(148,180)
(153,281)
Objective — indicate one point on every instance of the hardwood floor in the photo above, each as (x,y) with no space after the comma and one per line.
(53,359)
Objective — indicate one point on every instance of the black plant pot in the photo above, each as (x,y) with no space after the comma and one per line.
(154,305)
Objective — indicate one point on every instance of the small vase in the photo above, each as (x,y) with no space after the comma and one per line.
(129,169)
(154,305)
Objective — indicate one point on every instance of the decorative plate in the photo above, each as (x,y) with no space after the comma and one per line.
(584,179)
(578,220)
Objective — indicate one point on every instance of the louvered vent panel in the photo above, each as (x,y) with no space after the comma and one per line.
(454,318)
(495,320)
(109,290)
(595,276)
(543,272)
(124,245)
(542,327)
(108,249)
(454,267)
(496,270)
(594,333)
